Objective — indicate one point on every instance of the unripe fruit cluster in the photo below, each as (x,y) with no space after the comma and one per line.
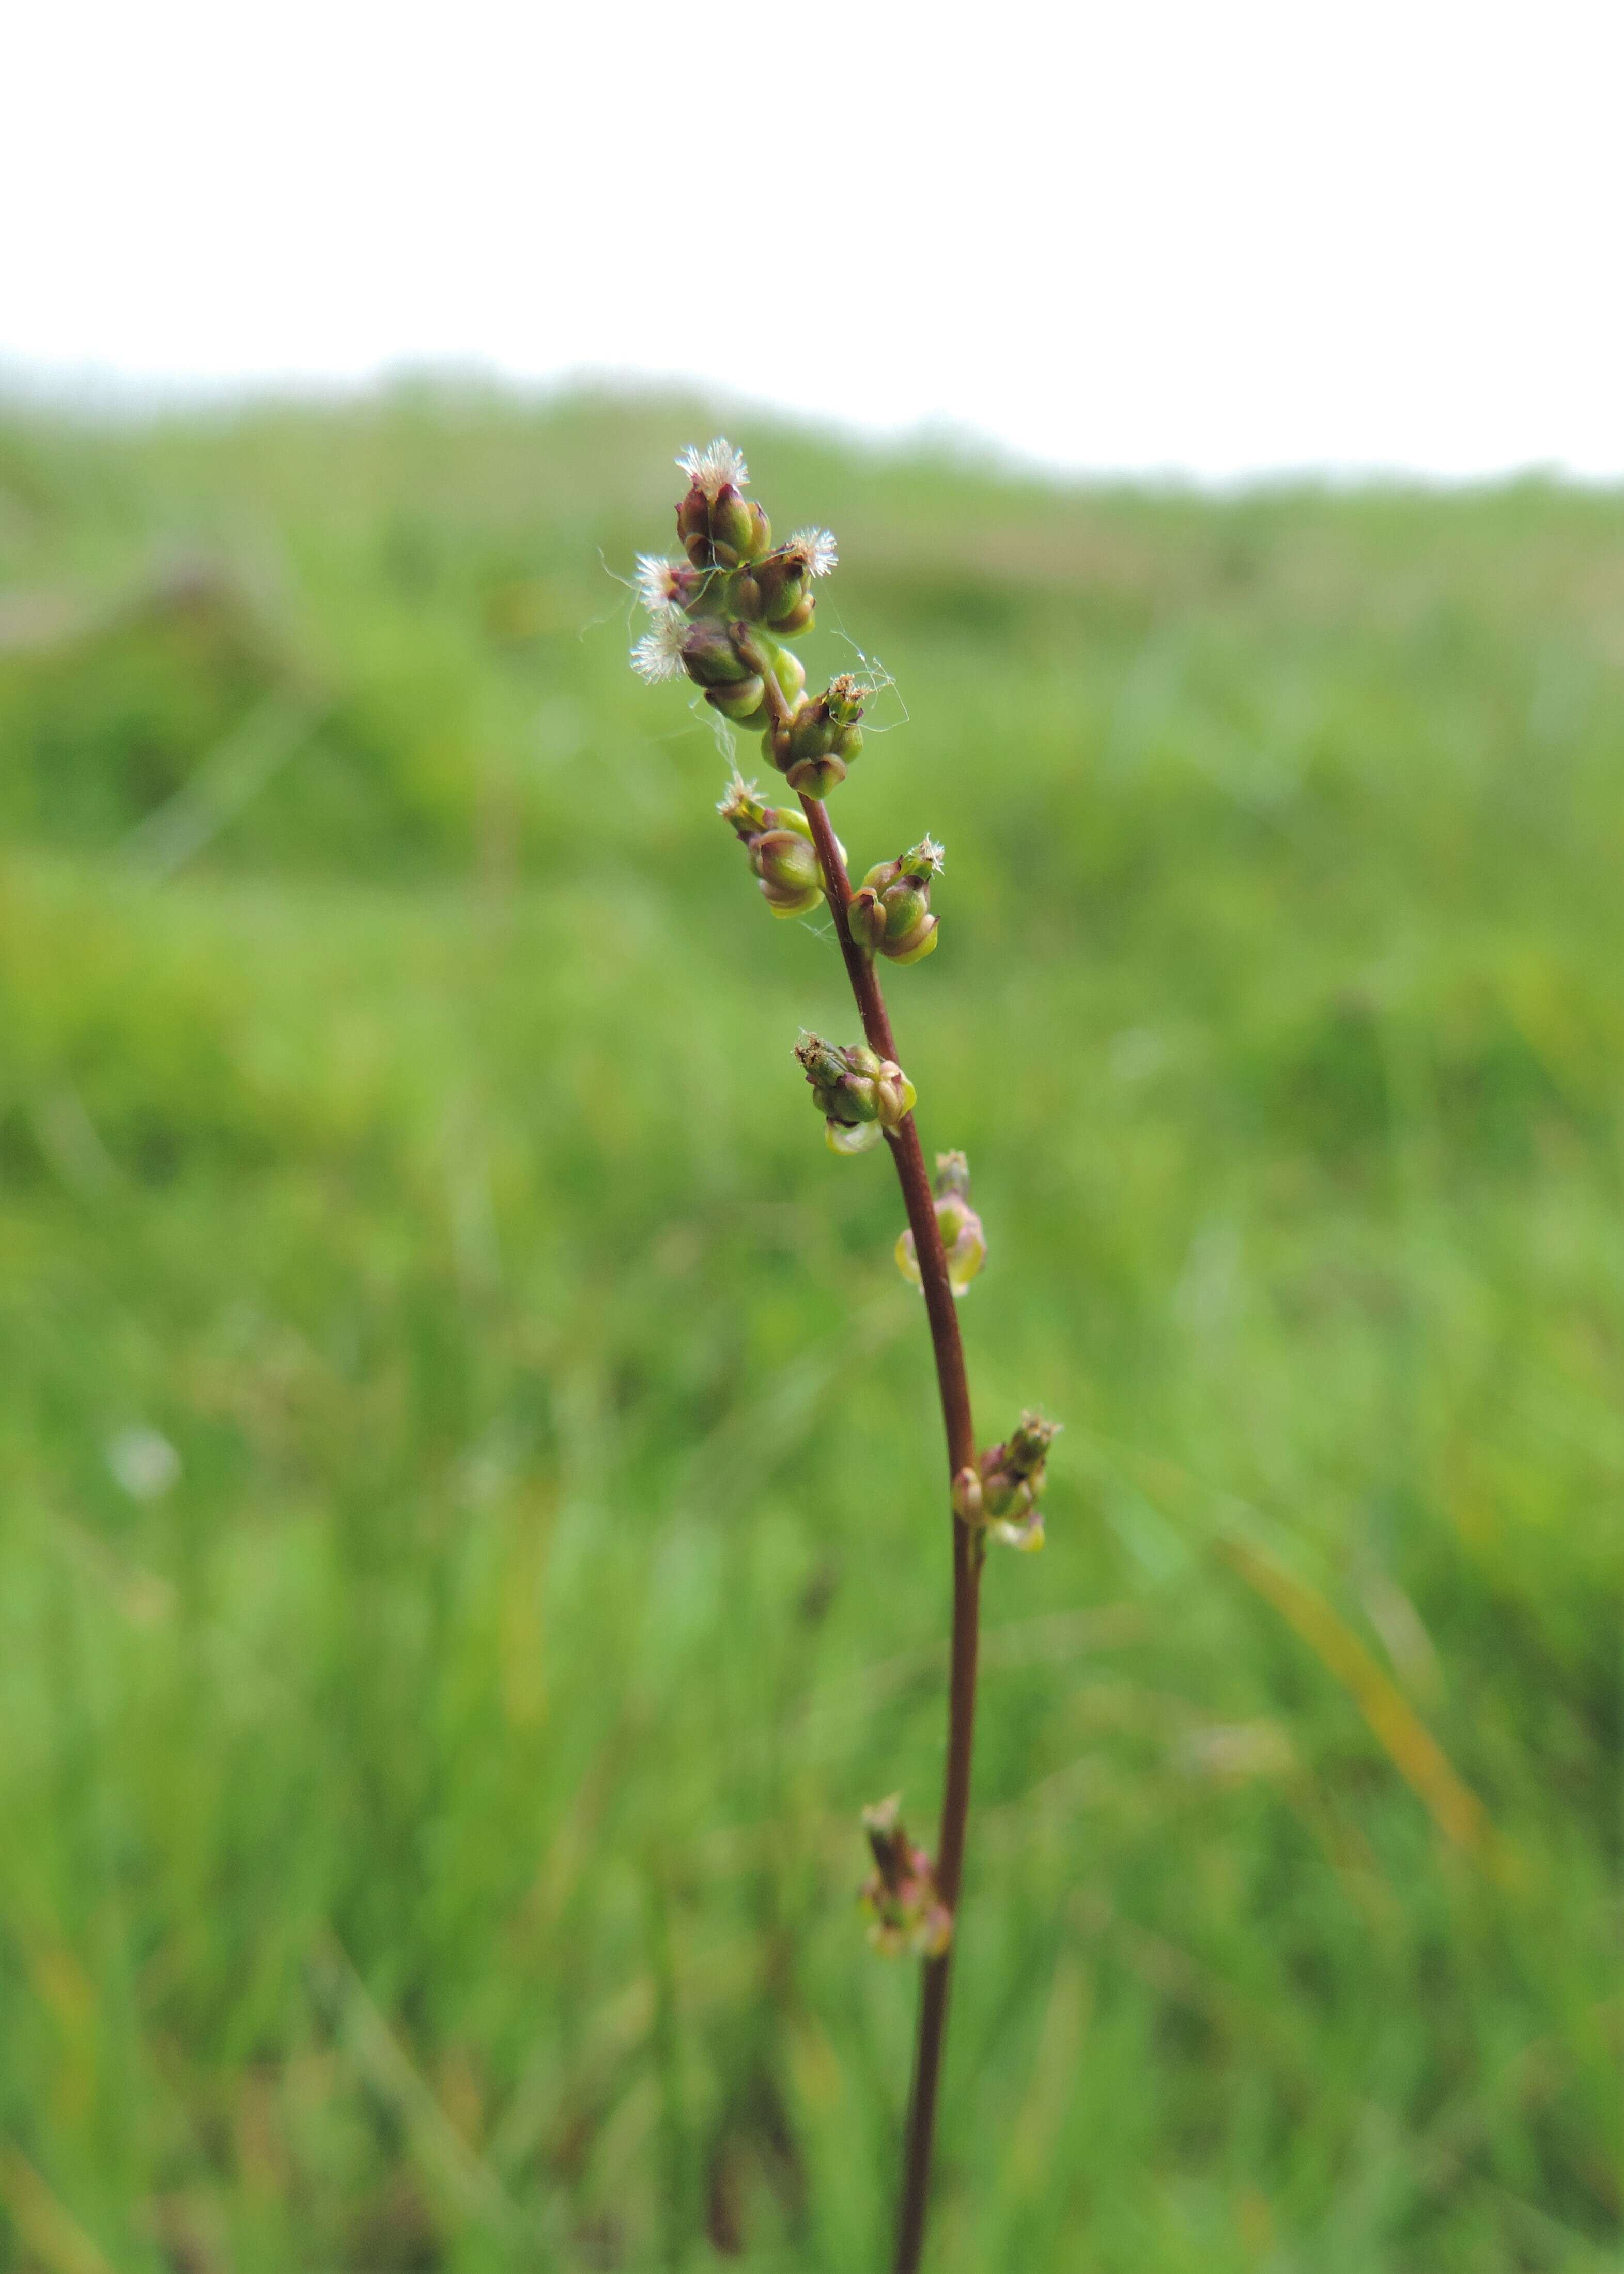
(860,1094)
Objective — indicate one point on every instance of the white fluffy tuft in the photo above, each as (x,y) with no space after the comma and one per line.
(817,548)
(655,583)
(658,654)
(713,468)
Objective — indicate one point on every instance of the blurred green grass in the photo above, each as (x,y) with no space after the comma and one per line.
(472,1538)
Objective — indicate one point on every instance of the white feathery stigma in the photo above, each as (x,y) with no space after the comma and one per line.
(713,468)
(931,854)
(738,791)
(656,583)
(658,654)
(817,548)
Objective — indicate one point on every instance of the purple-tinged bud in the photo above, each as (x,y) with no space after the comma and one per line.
(902,888)
(963,1243)
(792,883)
(864,920)
(710,656)
(717,527)
(693,527)
(967,1496)
(1012,1475)
(900,1894)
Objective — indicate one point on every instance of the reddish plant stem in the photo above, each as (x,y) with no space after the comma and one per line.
(955,1392)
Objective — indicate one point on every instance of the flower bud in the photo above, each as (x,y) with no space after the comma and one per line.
(785,575)
(719,527)
(964,1244)
(900,1894)
(967,1496)
(710,656)
(744,595)
(799,619)
(907,931)
(792,883)
(1012,1476)
(858,1093)
(745,703)
(864,920)
(739,529)
(814,749)
(741,808)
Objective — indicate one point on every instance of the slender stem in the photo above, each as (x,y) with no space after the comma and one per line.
(960,1433)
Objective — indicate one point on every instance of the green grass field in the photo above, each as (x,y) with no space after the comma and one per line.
(472,1533)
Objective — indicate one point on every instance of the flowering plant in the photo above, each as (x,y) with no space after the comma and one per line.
(721,618)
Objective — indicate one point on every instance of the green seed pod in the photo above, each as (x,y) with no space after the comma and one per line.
(864,920)
(739,528)
(710,656)
(854,1089)
(902,890)
(789,673)
(815,777)
(1011,1477)
(719,528)
(744,595)
(963,1243)
(814,749)
(741,703)
(786,863)
(799,619)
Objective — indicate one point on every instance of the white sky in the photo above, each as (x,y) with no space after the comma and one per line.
(1221,238)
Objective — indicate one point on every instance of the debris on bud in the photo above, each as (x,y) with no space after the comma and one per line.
(859,1093)
(1009,1477)
(895,897)
(907,1916)
(963,1243)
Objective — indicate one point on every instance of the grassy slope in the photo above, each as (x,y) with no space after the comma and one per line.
(429,1827)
